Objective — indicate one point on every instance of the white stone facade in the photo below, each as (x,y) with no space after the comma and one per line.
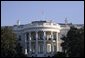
(41,38)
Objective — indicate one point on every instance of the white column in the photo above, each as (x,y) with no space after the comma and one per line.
(25,44)
(51,41)
(36,42)
(57,42)
(44,46)
(29,42)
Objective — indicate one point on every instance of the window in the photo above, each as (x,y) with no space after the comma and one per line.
(54,36)
(48,48)
(40,35)
(55,48)
(19,37)
(33,35)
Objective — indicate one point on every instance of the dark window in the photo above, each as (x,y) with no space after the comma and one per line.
(33,36)
(40,36)
(54,36)
(19,37)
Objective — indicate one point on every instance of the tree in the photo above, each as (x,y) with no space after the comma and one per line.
(73,44)
(8,42)
(60,54)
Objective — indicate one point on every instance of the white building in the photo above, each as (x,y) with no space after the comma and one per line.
(40,38)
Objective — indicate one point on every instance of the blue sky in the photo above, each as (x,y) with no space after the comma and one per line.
(27,11)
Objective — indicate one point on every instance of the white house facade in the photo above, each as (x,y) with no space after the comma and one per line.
(40,38)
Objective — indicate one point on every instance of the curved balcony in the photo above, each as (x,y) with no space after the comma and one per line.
(42,25)
(38,26)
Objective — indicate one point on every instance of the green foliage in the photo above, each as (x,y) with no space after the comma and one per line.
(74,42)
(8,41)
(9,46)
(59,54)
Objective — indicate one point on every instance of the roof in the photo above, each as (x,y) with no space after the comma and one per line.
(39,22)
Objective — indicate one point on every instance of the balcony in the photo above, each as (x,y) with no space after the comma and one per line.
(42,25)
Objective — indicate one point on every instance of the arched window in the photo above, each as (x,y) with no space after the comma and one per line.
(48,48)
